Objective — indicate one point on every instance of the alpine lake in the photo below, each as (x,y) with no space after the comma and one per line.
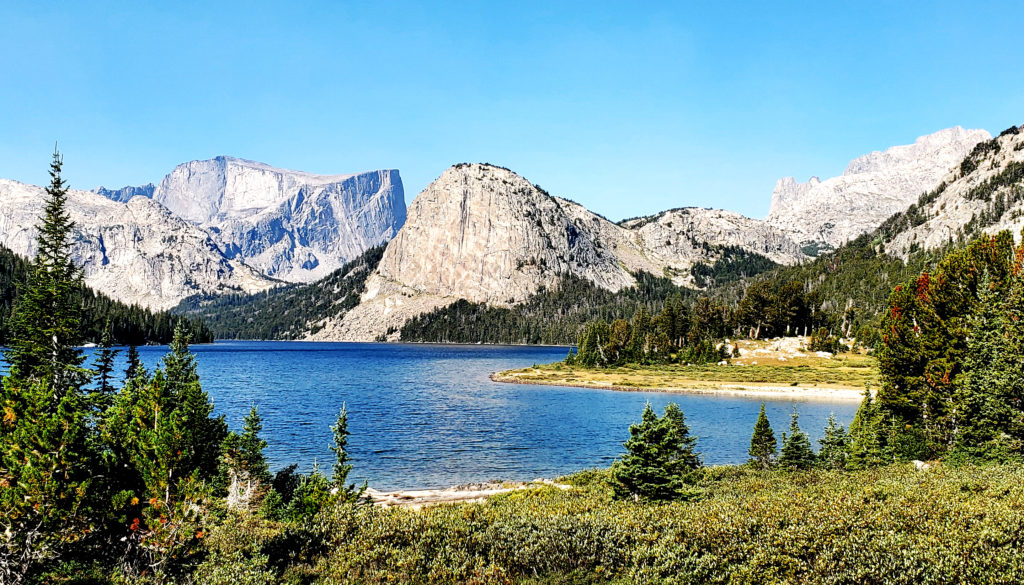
(428,416)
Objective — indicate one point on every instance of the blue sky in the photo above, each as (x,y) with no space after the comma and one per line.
(628,108)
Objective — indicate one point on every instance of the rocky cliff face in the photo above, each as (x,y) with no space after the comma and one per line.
(290,225)
(136,252)
(485,234)
(873,187)
(983,194)
(123,194)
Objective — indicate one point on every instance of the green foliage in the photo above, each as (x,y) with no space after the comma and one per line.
(822,340)
(891,525)
(866,435)
(659,458)
(796,447)
(678,334)
(285,312)
(555,315)
(951,354)
(129,324)
(342,461)
(733,264)
(44,328)
(835,445)
(763,444)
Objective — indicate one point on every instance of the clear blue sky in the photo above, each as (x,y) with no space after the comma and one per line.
(628,108)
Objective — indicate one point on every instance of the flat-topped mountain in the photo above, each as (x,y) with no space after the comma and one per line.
(290,225)
(136,252)
(828,213)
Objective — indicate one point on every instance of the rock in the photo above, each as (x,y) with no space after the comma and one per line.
(485,234)
(136,252)
(961,203)
(921,465)
(123,194)
(826,214)
(290,225)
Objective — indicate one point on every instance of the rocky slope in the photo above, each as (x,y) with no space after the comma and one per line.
(123,194)
(827,213)
(485,234)
(135,252)
(290,225)
(983,194)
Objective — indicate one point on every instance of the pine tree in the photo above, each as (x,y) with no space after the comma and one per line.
(835,445)
(251,447)
(866,448)
(45,319)
(46,441)
(659,455)
(104,367)
(135,369)
(762,443)
(796,447)
(342,463)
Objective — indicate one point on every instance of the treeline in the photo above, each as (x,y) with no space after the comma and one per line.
(286,312)
(554,315)
(129,324)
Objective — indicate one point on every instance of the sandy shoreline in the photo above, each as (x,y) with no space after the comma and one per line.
(717,388)
(460,494)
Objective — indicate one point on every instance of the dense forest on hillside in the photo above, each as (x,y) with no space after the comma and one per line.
(286,312)
(129,324)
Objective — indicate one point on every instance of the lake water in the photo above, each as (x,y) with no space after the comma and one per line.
(428,416)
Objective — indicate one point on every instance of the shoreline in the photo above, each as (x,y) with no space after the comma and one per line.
(416,499)
(716,388)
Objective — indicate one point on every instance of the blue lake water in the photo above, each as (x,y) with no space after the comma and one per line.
(428,416)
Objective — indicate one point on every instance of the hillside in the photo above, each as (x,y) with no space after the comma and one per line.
(130,324)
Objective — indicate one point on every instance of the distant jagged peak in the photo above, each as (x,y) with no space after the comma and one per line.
(827,213)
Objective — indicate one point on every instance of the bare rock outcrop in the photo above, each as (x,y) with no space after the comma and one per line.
(135,252)
(829,213)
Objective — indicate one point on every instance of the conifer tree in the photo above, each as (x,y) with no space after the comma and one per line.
(104,367)
(135,369)
(45,318)
(763,444)
(866,448)
(659,455)
(835,445)
(46,442)
(796,447)
(343,462)
(251,447)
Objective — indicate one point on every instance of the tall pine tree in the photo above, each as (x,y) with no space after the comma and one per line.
(762,443)
(796,447)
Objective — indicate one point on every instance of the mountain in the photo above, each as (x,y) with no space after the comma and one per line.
(983,194)
(123,194)
(135,252)
(129,325)
(487,235)
(825,214)
(290,225)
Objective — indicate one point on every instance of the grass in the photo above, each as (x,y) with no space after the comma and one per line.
(890,525)
(850,371)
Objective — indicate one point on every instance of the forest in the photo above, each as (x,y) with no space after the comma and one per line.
(129,324)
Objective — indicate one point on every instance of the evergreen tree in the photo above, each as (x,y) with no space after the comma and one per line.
(762,443)
(342,463)
(866,447)
(659,455)
(796,447)
(104,367)
(835,445)
(45,319)
(135,369)
(251,447)
(46,442)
